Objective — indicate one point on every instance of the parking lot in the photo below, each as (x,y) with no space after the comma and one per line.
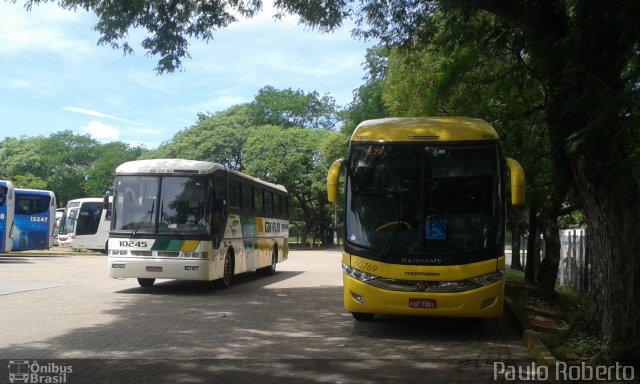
(64,311)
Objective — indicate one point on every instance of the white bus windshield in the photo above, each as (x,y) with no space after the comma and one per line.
(416,200)
(167,204)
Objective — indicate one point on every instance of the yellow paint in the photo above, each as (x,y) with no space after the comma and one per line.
(435,129)
(190,245)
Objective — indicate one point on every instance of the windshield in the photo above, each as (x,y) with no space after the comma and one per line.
(406,201)
(169,204)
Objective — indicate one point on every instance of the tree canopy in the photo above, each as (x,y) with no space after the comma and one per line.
(71,165)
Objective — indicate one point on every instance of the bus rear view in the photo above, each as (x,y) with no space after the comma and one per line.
(424,218)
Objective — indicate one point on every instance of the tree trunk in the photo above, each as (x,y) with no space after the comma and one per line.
(515,248)
(532,247)
(548,268)
(612,207)
(518,227)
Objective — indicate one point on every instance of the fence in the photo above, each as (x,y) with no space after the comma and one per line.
(575,269)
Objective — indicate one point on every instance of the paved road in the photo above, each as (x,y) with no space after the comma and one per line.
(63,311)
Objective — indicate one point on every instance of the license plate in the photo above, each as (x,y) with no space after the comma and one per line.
(422,303)
(154,269)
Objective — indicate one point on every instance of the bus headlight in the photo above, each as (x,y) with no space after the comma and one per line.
(488,279)
(357,274)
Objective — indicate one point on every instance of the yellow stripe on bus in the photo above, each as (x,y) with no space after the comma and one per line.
(190,245)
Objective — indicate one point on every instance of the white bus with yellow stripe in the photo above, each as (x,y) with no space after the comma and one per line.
(194,220)
(424,217)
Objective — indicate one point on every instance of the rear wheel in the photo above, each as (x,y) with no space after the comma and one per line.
(146,282)
(271,269)
(227,273)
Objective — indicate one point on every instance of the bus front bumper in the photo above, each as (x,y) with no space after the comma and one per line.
(181,269)
(483,302)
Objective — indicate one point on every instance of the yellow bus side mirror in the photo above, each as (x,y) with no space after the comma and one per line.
(333,177)
(518,185)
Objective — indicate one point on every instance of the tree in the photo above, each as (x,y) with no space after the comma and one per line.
(367,99)
(217,137)
(289,108)
(99,177)
(70,165)
(295,158)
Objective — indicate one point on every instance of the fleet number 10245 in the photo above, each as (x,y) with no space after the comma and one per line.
(133,244)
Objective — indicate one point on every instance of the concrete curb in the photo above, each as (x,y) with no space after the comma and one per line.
(541,354)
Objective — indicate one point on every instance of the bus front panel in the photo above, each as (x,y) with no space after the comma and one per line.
(474,291)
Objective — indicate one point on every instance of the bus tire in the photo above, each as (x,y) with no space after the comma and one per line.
(146,282)
(227,272)
(271,269)
(362,316)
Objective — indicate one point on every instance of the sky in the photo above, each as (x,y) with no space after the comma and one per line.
(54,76)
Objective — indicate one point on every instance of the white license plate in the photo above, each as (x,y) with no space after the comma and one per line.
(422,303)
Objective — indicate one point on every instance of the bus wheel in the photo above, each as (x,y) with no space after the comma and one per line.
(362,316)
(146,282)
(270,270)
(227,273)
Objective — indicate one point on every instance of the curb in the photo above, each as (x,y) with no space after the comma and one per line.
(531,339)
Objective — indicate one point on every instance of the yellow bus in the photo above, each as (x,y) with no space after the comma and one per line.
(424,217)
(194,220)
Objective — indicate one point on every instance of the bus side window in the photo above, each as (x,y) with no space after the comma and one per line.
(247,198)
(257,200)
(276,204)
(235,194)
(268,202)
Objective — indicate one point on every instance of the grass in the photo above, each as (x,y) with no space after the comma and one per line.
(561,324)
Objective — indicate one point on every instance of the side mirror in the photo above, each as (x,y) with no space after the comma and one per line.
(518,185)
(333,177)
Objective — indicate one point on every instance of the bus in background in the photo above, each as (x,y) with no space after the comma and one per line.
(424,217)
(7,207)
(194,220)
(34,219)
(85,224)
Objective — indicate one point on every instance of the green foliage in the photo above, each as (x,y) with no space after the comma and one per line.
(289,108)
(219,138)
(296,158)
(70,165)
(29,181)
(367,99)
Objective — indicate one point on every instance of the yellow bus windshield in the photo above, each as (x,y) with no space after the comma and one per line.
(424,204)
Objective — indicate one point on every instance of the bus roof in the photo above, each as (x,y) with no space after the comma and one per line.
(24,191)
(167,166)
(182,166)
(86,199)
(432,129)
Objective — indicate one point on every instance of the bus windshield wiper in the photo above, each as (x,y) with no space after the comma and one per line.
(147,214)
(387,244)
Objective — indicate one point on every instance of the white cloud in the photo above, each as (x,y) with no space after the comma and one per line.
(47,28)
(101,131)
(91,112)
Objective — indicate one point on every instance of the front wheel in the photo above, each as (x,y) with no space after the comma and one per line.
(146,282)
